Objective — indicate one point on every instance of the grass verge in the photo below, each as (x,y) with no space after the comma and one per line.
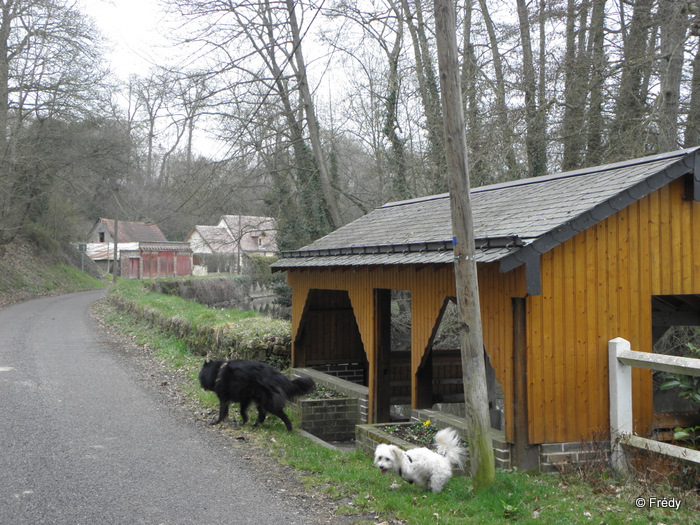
(363,495)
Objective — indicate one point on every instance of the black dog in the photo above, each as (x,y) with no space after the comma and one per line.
(238,381)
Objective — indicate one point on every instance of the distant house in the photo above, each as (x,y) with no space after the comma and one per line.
(221,248)
(151,260)
(208,240)
(143,251)
(103,231)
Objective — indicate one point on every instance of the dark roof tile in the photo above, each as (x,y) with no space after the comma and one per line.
(547,210)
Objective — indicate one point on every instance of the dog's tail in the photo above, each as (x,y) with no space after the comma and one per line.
(299,387)
(447,442)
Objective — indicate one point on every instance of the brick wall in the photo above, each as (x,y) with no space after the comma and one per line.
(327,419)
(352,372)
(555,455)
(348,388)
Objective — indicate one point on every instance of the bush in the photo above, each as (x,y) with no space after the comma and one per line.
(257,267)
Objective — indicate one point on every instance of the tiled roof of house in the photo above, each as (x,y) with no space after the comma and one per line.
(135,231)
(248,223)
(255,234)
(513,221)
(217,238)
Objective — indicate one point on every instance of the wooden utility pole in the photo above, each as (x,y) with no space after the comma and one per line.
(471,340)
(116,251)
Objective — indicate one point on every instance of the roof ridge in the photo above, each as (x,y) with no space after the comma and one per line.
(555,176)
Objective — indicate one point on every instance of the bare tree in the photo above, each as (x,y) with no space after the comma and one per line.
(692,125)
(673,18)
(48,71)
(500,107)
(627,133)
(535,138)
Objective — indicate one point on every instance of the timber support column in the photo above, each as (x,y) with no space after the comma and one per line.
(380,393)
(525,455)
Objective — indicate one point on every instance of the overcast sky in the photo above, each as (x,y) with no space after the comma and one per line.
(133,29)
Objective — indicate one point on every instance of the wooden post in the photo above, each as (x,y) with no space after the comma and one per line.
(620,387)
(381,387)
(525,456)
(473,368)
(117,266)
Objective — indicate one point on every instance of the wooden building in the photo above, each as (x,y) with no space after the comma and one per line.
(100,240)
(154,260)
(565,262)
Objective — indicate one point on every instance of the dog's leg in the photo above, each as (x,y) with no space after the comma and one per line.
(262,414)
(437,482)
(280,414)
(223,412)
(244,410)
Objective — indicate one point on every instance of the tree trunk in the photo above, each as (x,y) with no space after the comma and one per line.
(471,339)
(627,131)
(692,125)
(314,135)
(430,97)
(397,163)
(478,172)
(575,87)
(674,23)
(500,105)
(535,142)
(594,118)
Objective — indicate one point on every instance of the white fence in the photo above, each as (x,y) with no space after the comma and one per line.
(621,359)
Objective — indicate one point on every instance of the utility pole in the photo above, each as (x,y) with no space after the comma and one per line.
(471,338)
(116,251)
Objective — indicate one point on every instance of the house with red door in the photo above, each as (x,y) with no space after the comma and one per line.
(142,251)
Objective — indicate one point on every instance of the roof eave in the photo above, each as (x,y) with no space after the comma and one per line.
(530,254)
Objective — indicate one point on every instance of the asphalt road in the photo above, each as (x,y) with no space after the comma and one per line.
(83,441)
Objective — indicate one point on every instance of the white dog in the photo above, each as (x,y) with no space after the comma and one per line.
(422,466)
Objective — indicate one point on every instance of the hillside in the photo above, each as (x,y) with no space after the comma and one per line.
(28,271)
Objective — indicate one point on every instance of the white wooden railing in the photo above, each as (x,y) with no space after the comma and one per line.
(621,359)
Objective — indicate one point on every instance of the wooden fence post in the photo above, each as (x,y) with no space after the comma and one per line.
(620,387)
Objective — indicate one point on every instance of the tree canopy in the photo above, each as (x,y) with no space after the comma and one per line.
(314,113)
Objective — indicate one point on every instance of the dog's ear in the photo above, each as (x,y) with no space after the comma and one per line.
(397,453)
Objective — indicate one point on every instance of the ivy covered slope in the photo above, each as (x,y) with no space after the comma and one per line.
(213,332)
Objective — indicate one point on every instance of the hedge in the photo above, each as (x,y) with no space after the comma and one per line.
(256,338)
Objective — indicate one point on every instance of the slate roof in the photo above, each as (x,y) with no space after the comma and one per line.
(514,222)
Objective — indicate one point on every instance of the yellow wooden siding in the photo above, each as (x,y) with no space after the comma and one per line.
(595,286)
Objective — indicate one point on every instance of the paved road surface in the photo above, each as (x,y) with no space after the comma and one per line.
(83,442)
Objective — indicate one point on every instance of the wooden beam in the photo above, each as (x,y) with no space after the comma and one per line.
(525,456)
(380,392)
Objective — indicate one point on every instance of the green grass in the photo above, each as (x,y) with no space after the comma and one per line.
(50,279)
(515,496)
(174,306)
(359,490)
